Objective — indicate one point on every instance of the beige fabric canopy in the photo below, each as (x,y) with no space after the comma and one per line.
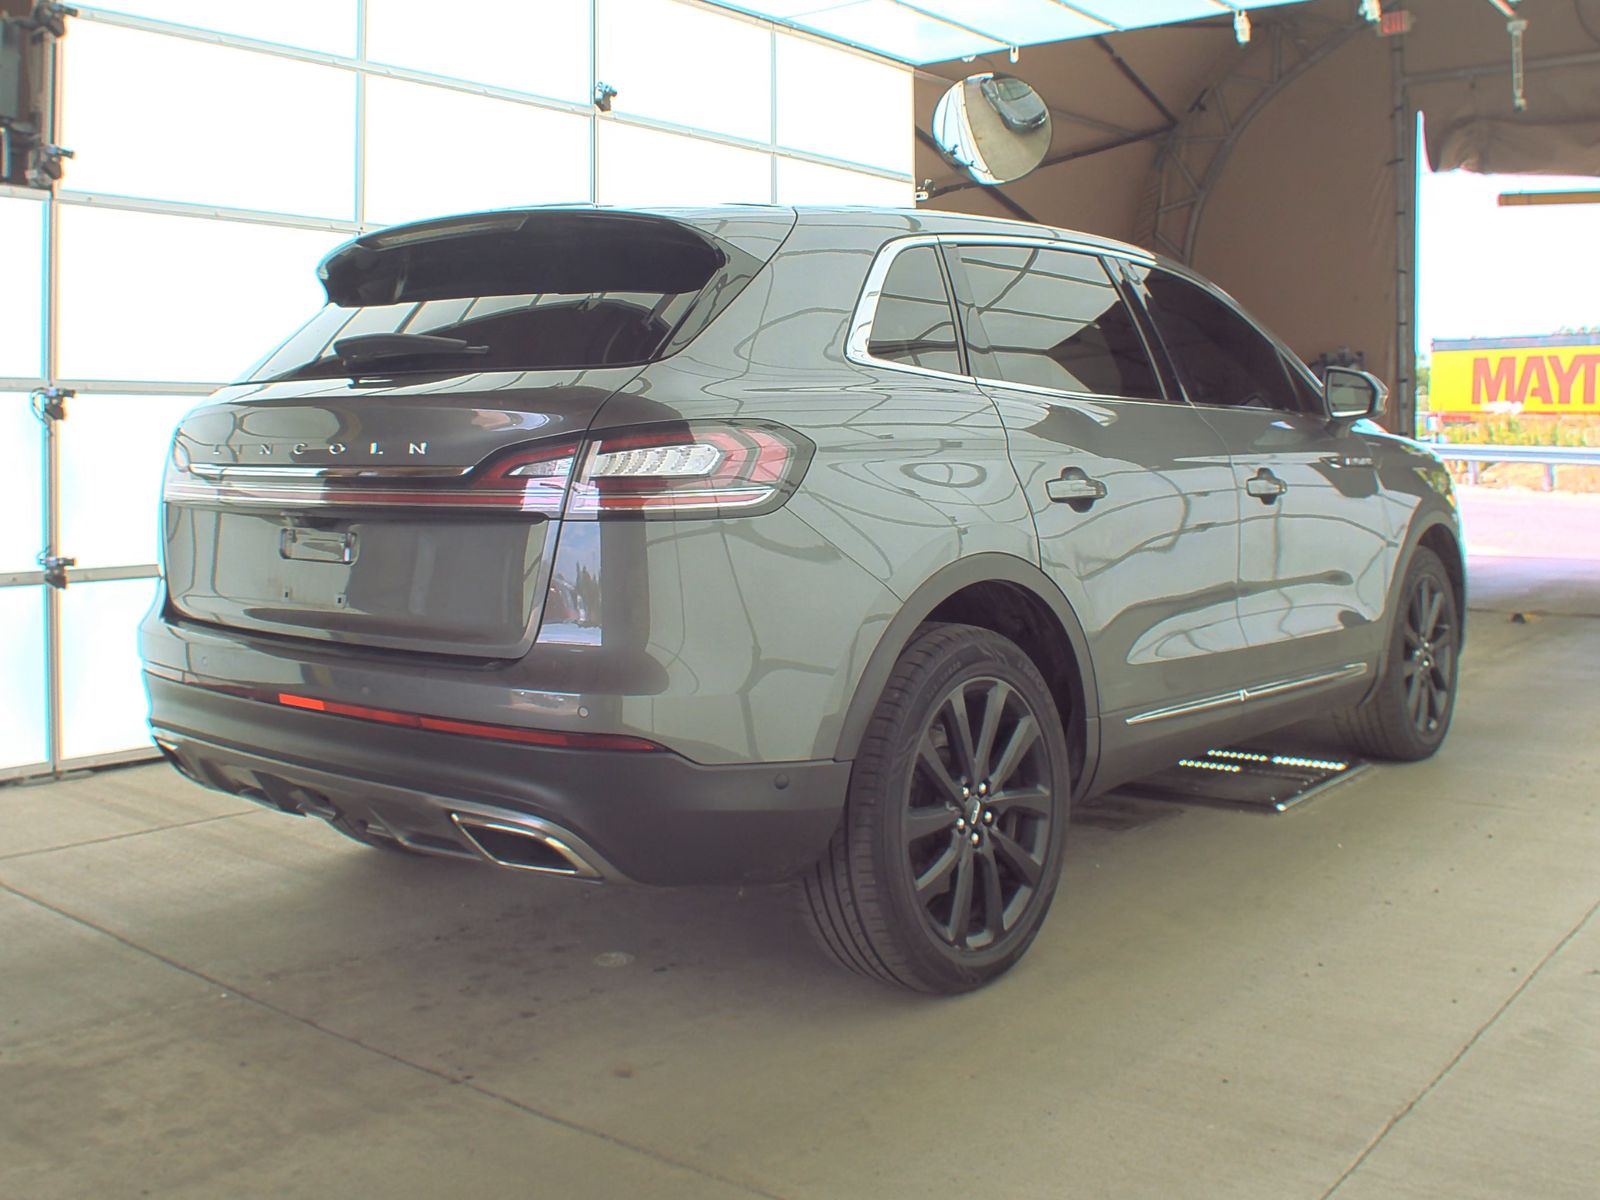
(1309,220)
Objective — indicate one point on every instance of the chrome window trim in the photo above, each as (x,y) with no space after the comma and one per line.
(859,333)
(866,310)
(1161,402)
(1129,253)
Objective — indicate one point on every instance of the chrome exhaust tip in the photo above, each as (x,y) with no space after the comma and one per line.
(526,844)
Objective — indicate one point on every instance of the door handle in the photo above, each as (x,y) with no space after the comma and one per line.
(1074,487)
(1265,486)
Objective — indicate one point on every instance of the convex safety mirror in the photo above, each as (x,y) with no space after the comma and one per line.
(1352,394)
(994,127)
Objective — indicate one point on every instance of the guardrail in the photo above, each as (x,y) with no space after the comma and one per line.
(1549,457)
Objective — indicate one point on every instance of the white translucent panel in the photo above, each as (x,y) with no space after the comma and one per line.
(22,296)
(22,680)
(801,182)
(113,455)
(21,484)
(1020,22)
(912,30)
(890,28)
(1160,12)
(843,105)
(103,703)
(432,151)
(643,167)
(718,75)
(539,46)
(148,114)
(179,298)
(328,25)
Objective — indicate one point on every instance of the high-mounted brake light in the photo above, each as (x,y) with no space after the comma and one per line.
(681,469)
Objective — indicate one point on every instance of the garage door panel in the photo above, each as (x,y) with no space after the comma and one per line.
(102,689)
(22,677)
(113,455)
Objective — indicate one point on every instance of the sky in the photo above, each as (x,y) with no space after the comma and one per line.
(1487,271)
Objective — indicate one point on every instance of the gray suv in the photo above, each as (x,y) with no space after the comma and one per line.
(753,544)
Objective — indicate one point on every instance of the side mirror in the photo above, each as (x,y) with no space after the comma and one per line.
(1352,394)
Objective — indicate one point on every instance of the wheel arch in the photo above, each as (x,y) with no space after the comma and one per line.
(1013,598)
(1438,531)
(1440,536)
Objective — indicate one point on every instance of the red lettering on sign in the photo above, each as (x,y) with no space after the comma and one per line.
(1534,386)
(1489,388)
(1565,377)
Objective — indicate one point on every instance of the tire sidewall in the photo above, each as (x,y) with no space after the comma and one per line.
(1392,687)
(983,655)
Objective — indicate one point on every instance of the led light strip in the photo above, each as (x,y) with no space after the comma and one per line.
(1200,764)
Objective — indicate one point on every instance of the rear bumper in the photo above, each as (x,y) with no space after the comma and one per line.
(653,818)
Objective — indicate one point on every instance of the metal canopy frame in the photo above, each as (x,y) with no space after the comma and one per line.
(1197,150)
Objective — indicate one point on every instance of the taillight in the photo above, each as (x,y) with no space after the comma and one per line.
(688,470)
(682,469)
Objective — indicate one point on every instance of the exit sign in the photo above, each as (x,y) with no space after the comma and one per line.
(1395,22)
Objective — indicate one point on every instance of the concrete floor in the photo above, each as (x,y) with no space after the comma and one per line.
(1391,992)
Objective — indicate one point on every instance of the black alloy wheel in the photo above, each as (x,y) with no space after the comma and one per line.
(1408,713)
(978,811)
(950,848)
(1428,668)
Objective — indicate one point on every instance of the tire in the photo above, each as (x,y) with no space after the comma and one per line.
(987,861)
(1408,713)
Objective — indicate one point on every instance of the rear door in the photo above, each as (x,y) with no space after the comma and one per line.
(1315,555)
(1131,491)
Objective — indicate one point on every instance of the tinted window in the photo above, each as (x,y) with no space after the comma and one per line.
(1052,319)
(513,291)
(528,332)
(912,324)
(1221,357)
(1307,395)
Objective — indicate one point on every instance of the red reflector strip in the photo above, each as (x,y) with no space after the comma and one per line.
(500,733)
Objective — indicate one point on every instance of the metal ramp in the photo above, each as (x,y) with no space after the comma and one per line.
(1255,778)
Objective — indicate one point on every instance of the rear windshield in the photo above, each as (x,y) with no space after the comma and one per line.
(519,333)
(555,291)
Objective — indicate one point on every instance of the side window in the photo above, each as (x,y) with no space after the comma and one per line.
(1221,357)
(1053,319)
(1307,394)
(912,323)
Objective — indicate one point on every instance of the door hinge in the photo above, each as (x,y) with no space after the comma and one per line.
(55,570)
(50,403)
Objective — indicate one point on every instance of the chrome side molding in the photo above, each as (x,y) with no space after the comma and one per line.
(1257,692)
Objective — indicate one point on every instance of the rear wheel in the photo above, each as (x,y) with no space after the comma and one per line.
(948,855)
(1408,714)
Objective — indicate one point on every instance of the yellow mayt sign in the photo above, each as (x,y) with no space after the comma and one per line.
(1556,374)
